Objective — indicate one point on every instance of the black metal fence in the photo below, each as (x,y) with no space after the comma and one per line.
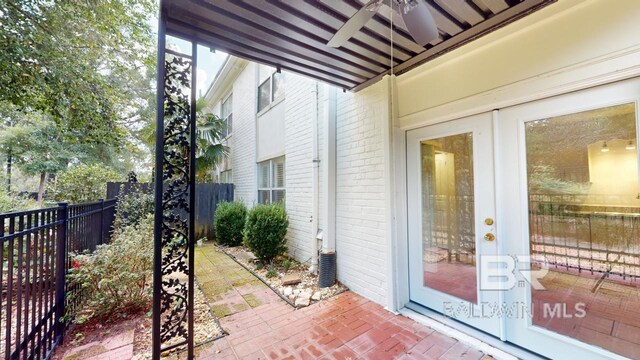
(35,258)
(208,196)
(566,231)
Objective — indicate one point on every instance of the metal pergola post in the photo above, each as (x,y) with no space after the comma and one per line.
(174,232)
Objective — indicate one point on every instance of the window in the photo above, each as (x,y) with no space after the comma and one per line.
(278,86)
(226,177)
(264,94)
(227,115)
(271,179)
(270,90)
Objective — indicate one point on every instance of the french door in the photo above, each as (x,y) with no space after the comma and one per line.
(525,222)
(451,205)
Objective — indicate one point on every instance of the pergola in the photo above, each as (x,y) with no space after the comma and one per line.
(286,34)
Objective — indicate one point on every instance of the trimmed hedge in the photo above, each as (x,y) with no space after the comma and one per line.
(265,230)
(229,223)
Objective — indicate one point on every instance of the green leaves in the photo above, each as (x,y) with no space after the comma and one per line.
(68,59)
(229,222)
(265,231)
(33,140)
(84,183)
(117,276)
(210,150)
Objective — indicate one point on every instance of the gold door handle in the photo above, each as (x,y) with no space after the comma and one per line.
(488,221)
(489,237)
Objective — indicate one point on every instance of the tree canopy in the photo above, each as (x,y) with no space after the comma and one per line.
(82,62)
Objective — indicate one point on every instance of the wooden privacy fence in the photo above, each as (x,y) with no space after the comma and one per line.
(35,259)
(208,196)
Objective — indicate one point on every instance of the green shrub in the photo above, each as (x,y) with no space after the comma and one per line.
(133,208)
(265,230)
(10,202)
(229,223)
(84,183)
(117,277)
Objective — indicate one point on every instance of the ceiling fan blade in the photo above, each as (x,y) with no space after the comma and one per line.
(355,23)
(419,21)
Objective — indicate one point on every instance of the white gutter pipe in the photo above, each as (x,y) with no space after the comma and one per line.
(314,181)
(329,166)
(328,258)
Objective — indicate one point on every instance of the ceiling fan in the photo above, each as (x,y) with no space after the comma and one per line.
(414,13)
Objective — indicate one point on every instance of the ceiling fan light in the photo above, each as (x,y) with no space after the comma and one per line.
(630,145)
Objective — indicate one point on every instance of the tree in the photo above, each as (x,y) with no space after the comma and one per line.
(209,148)
(83,183)
(65,58)
(87,64)
(9,115)
(36,147)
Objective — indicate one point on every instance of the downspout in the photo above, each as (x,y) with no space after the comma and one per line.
(327,259)
(315,163)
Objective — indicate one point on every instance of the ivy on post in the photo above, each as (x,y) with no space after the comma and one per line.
(174,199)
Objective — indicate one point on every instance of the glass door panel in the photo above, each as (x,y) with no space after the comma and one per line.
(584,226)
(449,246)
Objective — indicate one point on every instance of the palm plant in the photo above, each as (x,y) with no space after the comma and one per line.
(209,148)
(209,135)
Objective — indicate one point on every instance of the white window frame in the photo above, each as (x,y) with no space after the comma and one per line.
(271,188)
(225,117)
(226,176)
(272,98)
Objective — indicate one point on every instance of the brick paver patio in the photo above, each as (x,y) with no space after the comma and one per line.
(346,326)
(262,326)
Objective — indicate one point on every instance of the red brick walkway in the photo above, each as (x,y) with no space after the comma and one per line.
(344,327)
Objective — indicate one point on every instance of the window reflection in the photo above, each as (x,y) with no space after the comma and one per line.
(584,222)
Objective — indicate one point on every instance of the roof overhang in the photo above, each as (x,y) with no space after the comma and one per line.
(292,34)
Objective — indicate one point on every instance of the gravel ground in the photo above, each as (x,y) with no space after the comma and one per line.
(302,294)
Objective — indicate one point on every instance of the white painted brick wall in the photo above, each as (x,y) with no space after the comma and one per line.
(360,214)
(360,192)
(299,155)
(243,138)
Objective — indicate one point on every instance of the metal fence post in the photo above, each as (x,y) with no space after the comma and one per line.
(61,269)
